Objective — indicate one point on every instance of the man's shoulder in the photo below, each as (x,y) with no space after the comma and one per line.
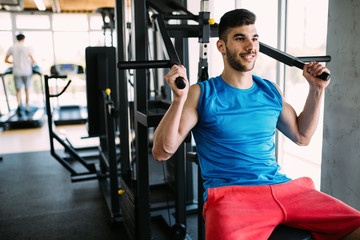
(208,82)
(207,87)
(263,81)
(269,87)
(10,49)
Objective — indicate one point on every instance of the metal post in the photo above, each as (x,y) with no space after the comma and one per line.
(143,229)
(109,109)
(204,39)
(182,49)
(122,84)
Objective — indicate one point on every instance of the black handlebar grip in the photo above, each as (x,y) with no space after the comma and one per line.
(324,76)
(180,83)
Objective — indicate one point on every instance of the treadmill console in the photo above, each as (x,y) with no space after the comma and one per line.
(35,70)
(66,69)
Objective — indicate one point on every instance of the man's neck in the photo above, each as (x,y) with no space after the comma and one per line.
(237,79)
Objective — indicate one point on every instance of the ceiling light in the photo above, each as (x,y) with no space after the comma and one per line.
(40,5)
(12,5)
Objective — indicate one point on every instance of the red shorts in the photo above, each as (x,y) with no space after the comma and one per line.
(252,212)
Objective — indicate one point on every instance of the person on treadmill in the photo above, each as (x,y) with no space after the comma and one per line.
(22,60)
(233,118)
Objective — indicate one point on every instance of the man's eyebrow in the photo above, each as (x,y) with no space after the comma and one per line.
(243,35)
(239,35)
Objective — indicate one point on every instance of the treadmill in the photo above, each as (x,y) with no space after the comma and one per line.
(68,114)
(15,120)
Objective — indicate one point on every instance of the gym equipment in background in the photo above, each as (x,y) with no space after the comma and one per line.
(108,17)
(78,166)
(291,61)
(19,118)
(69,113)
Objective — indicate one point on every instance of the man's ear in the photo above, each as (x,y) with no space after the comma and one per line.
(220,44)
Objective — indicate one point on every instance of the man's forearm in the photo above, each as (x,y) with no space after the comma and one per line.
(7,60)
(309,117)
(166,135)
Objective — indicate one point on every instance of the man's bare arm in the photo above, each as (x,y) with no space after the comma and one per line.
(180,118)
(7,59)
(32,59)
(300,129)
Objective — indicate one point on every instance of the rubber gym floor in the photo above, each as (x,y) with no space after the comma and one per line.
(38,201)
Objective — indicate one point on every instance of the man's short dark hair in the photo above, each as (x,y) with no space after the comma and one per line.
(20,36)
(235,18)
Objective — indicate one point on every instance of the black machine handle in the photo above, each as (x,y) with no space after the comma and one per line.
(180,83)
(170,52)
(300,64)
(288,59)
(62,91)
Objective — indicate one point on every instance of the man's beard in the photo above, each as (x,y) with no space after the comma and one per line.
(235,63)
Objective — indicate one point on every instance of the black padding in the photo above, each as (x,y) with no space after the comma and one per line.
(283,232)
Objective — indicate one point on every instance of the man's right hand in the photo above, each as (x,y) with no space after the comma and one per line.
(170,77)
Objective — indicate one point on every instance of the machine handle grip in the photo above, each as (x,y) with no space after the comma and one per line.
(300,64)
(180,83)
(324,76)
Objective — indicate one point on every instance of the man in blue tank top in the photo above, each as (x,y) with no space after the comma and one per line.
(233,118)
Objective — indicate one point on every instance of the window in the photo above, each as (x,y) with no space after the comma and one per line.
(6,41)
(306,36)
(70,47)
(96,22)
(32,21)
(41,43)
(70,22)
(266,25)
(5,21)
(66,38)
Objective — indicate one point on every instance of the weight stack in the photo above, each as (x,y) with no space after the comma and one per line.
(127,204)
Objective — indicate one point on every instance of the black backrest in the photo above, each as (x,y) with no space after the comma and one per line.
(100,74)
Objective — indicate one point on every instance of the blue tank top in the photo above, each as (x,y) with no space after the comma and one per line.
(235,134)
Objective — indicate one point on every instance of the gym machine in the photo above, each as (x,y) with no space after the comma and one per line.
(158,12)
(105,170)
(125,186)
(103,115)
(16,119)
(67,114)
(108,18)
(138,211)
